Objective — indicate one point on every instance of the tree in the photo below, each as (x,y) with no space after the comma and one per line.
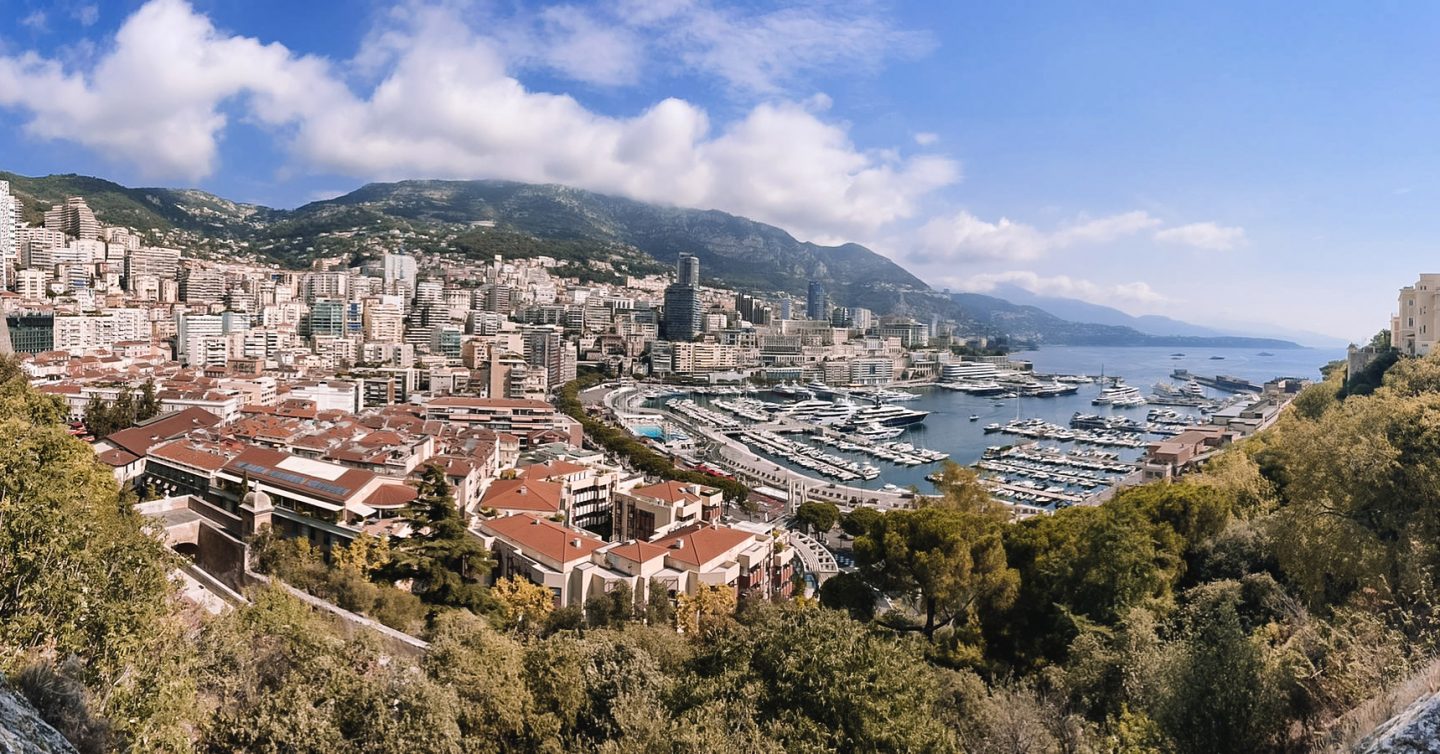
(706,607)
(148,405)
(659,610)
(859,520)
(613,607)
(817,517)
(851,593)
(522,605)
(444,562)
(950,561)
(365,554)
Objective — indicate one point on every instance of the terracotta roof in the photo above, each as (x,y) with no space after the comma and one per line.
(263,464)
(536,535)
(118,457)
(140,439)
(698,544)
(523,495)
(639,552)
(391,496)
(183,452)
(672,491)
(551,470)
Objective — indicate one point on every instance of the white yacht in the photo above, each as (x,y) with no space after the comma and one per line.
(877,432)
(1120,395)
(888,415)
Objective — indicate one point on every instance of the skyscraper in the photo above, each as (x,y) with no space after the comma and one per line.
(9,239)
(815,305)
(688,270)
(682,301)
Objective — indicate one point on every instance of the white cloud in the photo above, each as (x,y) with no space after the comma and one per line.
(584,49)
(444,105)
(87,15)
(1203,236)
(34,21)
(1064,286)
(154,99)
(925,138)
(964,236)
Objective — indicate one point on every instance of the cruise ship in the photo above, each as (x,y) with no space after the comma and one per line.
(887,416)
(1120,395)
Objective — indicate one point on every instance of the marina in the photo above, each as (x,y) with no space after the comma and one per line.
(893,437)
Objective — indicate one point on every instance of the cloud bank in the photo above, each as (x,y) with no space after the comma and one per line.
(445,105)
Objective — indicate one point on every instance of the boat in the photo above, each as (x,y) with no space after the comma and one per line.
(1177,355)
(878,432)
(888,415)
(974,417)
(1120,395)
(1193,389)
(1217,358)
(1264,353)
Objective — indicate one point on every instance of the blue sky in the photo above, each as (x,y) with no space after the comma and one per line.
(1218,162)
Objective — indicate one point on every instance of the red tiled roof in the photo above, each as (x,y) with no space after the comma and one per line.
(391,496)
(672,491)
(547,538)
(639,552)
(700,543)
(551,470)
(523,495)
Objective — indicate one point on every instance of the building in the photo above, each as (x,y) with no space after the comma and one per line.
(816,305)
(9,233)
(530,420)
(683,314)
(646,512)
(1173,455)
(74,219)
(1416,321)
(31,332)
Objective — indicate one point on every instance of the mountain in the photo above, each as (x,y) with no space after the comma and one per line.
(158,209)
(740,252)
(1033,324)
(594,236)
(1151,324)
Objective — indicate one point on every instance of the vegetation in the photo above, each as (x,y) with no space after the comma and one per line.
(1246,608)
(104,418)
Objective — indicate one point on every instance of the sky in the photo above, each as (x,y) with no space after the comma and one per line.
(1270,165)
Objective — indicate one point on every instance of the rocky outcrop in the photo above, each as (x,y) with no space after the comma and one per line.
(1414,730)
(23,732)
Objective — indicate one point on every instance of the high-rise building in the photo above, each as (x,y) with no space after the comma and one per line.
(73,218)
(31,332)
(400,271)
(546,348)
(683,317)
(9,237)
(688,270)
(816,306)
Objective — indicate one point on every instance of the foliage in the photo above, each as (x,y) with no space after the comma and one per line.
(104,418)
(951,561)
(851,593)
(859,520)
(444,563)
(345,581)
(705,608)
(522,605)
(817,517)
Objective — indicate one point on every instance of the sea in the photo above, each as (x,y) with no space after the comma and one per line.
(948,428)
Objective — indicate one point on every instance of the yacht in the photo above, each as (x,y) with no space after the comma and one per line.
(1194,389)
(1120,395)
(878,432)
(888,415)
(974,417)
(839,413)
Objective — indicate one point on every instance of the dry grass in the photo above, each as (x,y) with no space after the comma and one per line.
(1348,730)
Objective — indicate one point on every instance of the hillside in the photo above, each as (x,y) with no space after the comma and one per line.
(739,252)
(141,208)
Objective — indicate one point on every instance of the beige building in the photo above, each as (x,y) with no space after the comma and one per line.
(1413,328)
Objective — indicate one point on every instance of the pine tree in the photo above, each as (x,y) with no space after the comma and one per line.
(446,564)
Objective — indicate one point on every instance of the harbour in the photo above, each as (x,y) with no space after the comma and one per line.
(1062,434)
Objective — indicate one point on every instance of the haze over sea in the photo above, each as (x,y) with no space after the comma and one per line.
(949,429)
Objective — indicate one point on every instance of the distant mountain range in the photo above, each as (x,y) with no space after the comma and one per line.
(481,218)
